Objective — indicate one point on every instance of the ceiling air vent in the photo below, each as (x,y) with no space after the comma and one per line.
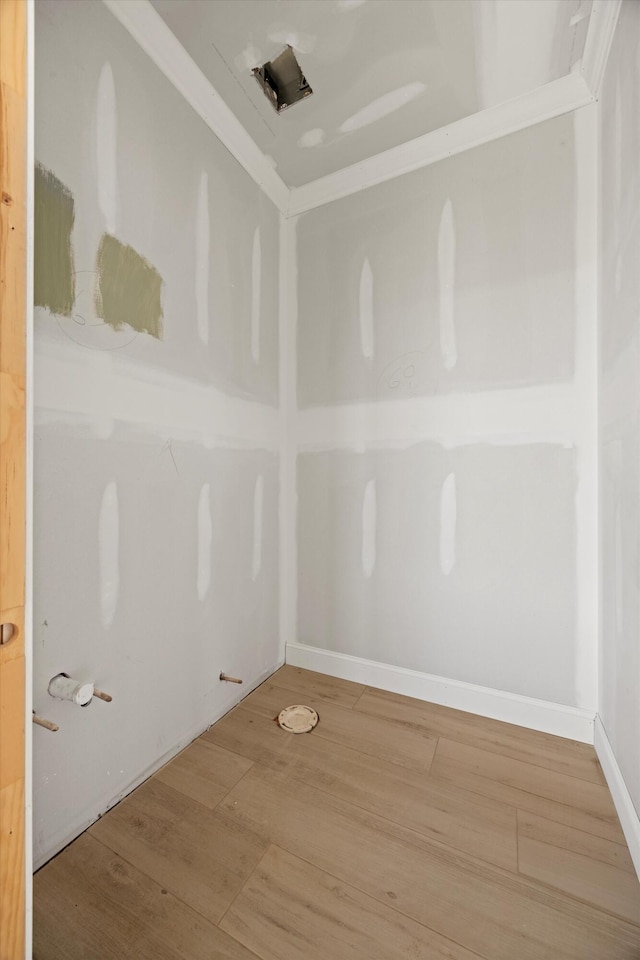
(282,81)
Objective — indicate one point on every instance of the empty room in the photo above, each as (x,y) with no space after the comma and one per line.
(320,467)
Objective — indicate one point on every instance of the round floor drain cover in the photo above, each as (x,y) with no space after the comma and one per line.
(297,719)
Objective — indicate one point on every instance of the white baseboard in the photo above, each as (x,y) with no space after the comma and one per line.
(60,842)
(621,797)
(555,718)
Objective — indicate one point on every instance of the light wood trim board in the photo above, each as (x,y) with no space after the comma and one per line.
(13,146)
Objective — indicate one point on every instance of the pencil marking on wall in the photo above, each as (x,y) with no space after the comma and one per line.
(204,541)
(54,213)
(203,241)
(448,518)
(109,554)
(256,277)
(128,288)
(446,277)
(168,446)
(369,523)
(107,148)
(258,496)
(367,334)
(401,377)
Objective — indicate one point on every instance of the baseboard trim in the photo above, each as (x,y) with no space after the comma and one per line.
(625,808)
(554,718)
(60,842)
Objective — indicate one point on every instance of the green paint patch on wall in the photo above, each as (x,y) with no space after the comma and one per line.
(54,277)
(128,288)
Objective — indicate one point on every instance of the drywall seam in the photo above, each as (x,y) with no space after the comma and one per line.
(545,414)
(627,813)
(288,553)
(29,415)
(167,406)
(528,712)
(147,28)
(551,100)
(196,731)
(602,25)
(586,423)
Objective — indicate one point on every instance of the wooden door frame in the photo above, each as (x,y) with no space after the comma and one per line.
(14,284)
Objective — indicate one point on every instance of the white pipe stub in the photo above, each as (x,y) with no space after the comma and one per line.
(65,688)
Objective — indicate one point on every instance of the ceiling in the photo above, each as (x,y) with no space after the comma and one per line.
(383,72)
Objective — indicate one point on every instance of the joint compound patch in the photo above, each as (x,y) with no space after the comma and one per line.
(128,288)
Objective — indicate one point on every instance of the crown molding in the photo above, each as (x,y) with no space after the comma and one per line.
(551,100)
(149,30)
(602,25)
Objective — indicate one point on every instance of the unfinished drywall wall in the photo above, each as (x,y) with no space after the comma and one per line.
(437,560)
(619,702)
(157,429)
(442,281)
(446,432)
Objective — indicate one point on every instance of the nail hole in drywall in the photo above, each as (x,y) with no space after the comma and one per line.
(282,80)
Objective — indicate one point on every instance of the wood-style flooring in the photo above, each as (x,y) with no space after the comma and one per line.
(396,829)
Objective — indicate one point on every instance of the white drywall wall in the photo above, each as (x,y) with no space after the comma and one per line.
(446,418)
(156,460)
(472,289)
(619,281)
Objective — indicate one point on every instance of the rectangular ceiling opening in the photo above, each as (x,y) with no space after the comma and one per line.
(282,81)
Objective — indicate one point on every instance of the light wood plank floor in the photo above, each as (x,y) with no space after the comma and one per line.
(396,829)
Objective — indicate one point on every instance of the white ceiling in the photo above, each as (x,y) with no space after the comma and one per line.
(383,72)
